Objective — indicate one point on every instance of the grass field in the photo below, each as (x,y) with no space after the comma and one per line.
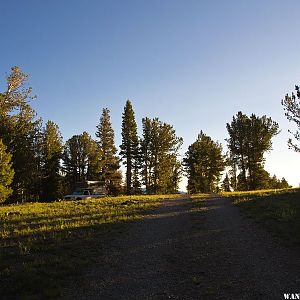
(42,245)
(278,211)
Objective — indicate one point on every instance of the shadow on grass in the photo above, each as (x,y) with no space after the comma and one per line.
(278,212)
(38,265)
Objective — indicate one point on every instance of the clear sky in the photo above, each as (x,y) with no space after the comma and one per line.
(193,64)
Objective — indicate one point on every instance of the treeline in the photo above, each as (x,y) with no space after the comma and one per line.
(36,165)
(249,139)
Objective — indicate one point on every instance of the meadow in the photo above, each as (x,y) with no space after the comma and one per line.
(277,211)
(43,245)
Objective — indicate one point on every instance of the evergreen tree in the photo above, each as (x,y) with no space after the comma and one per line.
(261,179)
(249,138)
(111,162)
(226,184)
(75,160)
(130,149)
(233,171)
(146,157)
(204,163)
(95,163)
(51,169)
(70,162)
(284,184)
(20,130)
(161,169)
(291,104)
(36,174)
(6,173)
(136,174)
(275,183)
(82,160)
(238,132)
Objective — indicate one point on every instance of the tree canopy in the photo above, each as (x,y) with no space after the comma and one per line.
(291,104)
(130,149)
(111,162)
(161,169)
(52,146)
(19,130)
(249,139)
(204,163)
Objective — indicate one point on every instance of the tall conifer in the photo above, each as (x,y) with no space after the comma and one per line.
(161,169)
(19,130)
(111,162)
(204,163)
(82,160)
(51,155)
(249,139)
(130,149)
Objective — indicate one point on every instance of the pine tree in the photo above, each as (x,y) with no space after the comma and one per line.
(111,162)
(161,169)
(51,155)
(204,163)
(19,130)
(136,174)
(6,172)
(249,138)
(226,184)
(95,163)
(233,171)
(284,184)
(130,149)
(146,157)
(82,160)
(238,132)
(291,105)
(71,162)
(76,159)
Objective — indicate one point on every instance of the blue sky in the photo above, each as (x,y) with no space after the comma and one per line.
(193,64)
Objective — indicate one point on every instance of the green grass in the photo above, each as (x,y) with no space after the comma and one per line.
(278,211)
(42,245)
(258,193)
(199,196)
(197,200)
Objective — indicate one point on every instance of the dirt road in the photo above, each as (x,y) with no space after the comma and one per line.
(179,252)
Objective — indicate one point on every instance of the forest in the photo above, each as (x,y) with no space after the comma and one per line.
(37,165)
